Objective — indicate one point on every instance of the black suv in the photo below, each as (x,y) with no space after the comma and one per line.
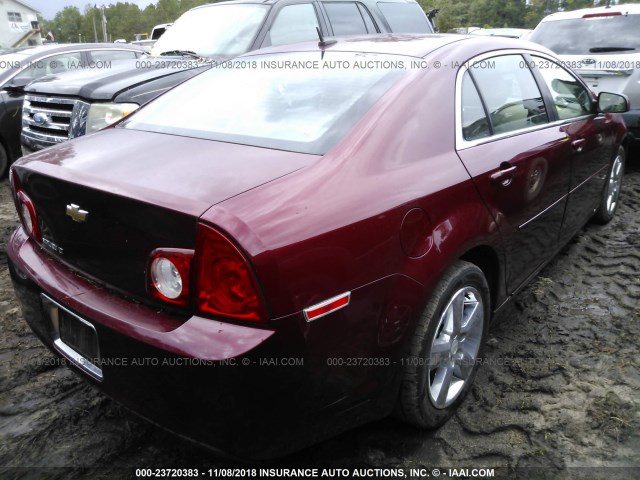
(83,102)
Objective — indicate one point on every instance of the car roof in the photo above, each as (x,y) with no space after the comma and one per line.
(624,9)
(412,45)
(273,2)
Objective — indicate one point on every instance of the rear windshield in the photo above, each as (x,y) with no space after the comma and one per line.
(302,102)
(615,35)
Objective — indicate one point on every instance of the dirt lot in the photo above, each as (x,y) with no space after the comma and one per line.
(560,388)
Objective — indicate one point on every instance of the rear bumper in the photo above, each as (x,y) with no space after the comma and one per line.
(250,392)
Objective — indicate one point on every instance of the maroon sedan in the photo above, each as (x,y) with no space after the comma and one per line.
(314,236)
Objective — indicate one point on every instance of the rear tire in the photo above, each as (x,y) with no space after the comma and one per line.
(445,347)
(611,193)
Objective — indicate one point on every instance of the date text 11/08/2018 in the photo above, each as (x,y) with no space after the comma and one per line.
(248,473)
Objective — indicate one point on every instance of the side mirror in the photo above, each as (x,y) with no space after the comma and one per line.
(17,84)
(612,103)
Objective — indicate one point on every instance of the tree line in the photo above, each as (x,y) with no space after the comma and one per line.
(125,19)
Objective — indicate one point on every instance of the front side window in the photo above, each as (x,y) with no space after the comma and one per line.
(51,66)
(277,105)
(294,23)
(12,61)
(510,93)
(570,98)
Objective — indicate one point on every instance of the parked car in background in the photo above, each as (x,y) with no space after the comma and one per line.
(304,247)
(20,66)
(211,33)
(144,40)
(603,45)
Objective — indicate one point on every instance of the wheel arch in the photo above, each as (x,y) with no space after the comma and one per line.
(486,259)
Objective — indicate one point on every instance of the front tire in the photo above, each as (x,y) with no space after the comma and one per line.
(611,194)
(445,347)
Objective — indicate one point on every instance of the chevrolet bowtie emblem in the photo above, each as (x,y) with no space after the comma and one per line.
(76,213)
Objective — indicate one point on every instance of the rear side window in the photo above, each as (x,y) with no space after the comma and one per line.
(347,19)
(510,93)
(570,98)
(405,17)
(474,119)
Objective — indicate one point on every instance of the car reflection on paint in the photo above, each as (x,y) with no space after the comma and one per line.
(366,223)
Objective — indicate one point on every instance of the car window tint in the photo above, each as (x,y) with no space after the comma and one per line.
(570,98)
(51,65)
(510,93)
(345,18)
(294,23)
(405,17)
(108,55)
(474,120)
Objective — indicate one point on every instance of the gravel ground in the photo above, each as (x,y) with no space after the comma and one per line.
(560,388)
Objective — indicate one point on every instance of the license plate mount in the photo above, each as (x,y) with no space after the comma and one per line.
(75,338)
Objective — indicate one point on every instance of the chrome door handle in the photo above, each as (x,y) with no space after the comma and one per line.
(578,145)
(504,176)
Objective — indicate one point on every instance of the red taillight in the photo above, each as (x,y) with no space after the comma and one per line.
(26,209)
(224,283)
(169,275)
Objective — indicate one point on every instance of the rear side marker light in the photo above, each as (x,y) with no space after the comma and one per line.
(328,306)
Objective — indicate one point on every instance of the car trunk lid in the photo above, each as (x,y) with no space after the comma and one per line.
(106,201)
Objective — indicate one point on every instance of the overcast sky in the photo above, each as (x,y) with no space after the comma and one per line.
(49,8)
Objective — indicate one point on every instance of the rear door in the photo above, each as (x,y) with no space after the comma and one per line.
(591,136)
(519,159)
